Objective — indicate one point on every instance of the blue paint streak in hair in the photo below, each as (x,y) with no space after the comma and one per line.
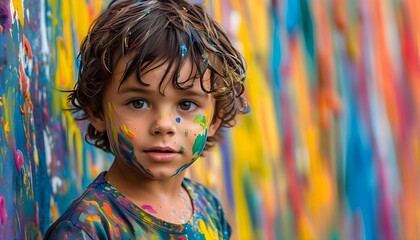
(184,50)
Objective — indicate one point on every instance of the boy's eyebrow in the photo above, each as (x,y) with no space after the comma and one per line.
(145,90)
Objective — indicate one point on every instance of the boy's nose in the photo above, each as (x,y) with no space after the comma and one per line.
(164,125)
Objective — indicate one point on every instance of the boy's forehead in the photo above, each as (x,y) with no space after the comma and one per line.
(156,70)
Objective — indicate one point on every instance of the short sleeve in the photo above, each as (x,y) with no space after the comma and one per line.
(66,230)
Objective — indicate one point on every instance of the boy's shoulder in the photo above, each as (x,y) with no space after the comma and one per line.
(87,208)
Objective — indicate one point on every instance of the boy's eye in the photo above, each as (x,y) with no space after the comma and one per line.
(139,103)
(187,106)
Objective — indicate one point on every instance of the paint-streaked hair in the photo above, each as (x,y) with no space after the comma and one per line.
(170,31)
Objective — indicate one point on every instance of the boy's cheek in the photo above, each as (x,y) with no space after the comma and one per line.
(127,132)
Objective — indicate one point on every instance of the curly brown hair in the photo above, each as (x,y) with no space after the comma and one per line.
(152,31)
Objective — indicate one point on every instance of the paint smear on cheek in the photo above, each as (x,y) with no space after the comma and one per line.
(148,208)
(114,133)
(127,152)
(178,120)
(201,120)
(200,141)
(131,135)
(186,132)
(199,144)
(126,149)
(208,114)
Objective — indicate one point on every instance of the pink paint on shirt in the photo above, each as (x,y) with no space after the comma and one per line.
(148,208)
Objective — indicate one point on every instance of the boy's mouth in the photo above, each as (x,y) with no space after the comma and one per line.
(162,154)
(161,150)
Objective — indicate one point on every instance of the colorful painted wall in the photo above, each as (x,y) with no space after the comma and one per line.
(330,150)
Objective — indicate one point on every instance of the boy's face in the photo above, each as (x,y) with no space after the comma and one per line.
(156,135)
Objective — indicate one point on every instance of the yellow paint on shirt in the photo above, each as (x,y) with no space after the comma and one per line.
(208,233)
(93,218)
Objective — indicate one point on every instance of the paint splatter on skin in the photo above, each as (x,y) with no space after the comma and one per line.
(200,119)
(163,116)
(178,120)
(186,132)
(182,149)
(199,143)
(148,208)
(126,150)
(131,135)
(114,141)
(121,145)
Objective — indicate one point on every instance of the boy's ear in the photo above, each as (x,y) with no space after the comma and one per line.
(97,122)
(214,125)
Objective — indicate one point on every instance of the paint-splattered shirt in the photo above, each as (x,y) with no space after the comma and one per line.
(102,212)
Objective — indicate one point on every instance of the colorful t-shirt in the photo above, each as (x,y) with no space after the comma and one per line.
(102,212)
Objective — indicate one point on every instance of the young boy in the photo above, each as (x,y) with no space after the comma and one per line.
(157,82)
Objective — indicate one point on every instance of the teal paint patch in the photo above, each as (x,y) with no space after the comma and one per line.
(199,144)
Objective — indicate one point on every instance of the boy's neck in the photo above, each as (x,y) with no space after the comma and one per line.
(165,199)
